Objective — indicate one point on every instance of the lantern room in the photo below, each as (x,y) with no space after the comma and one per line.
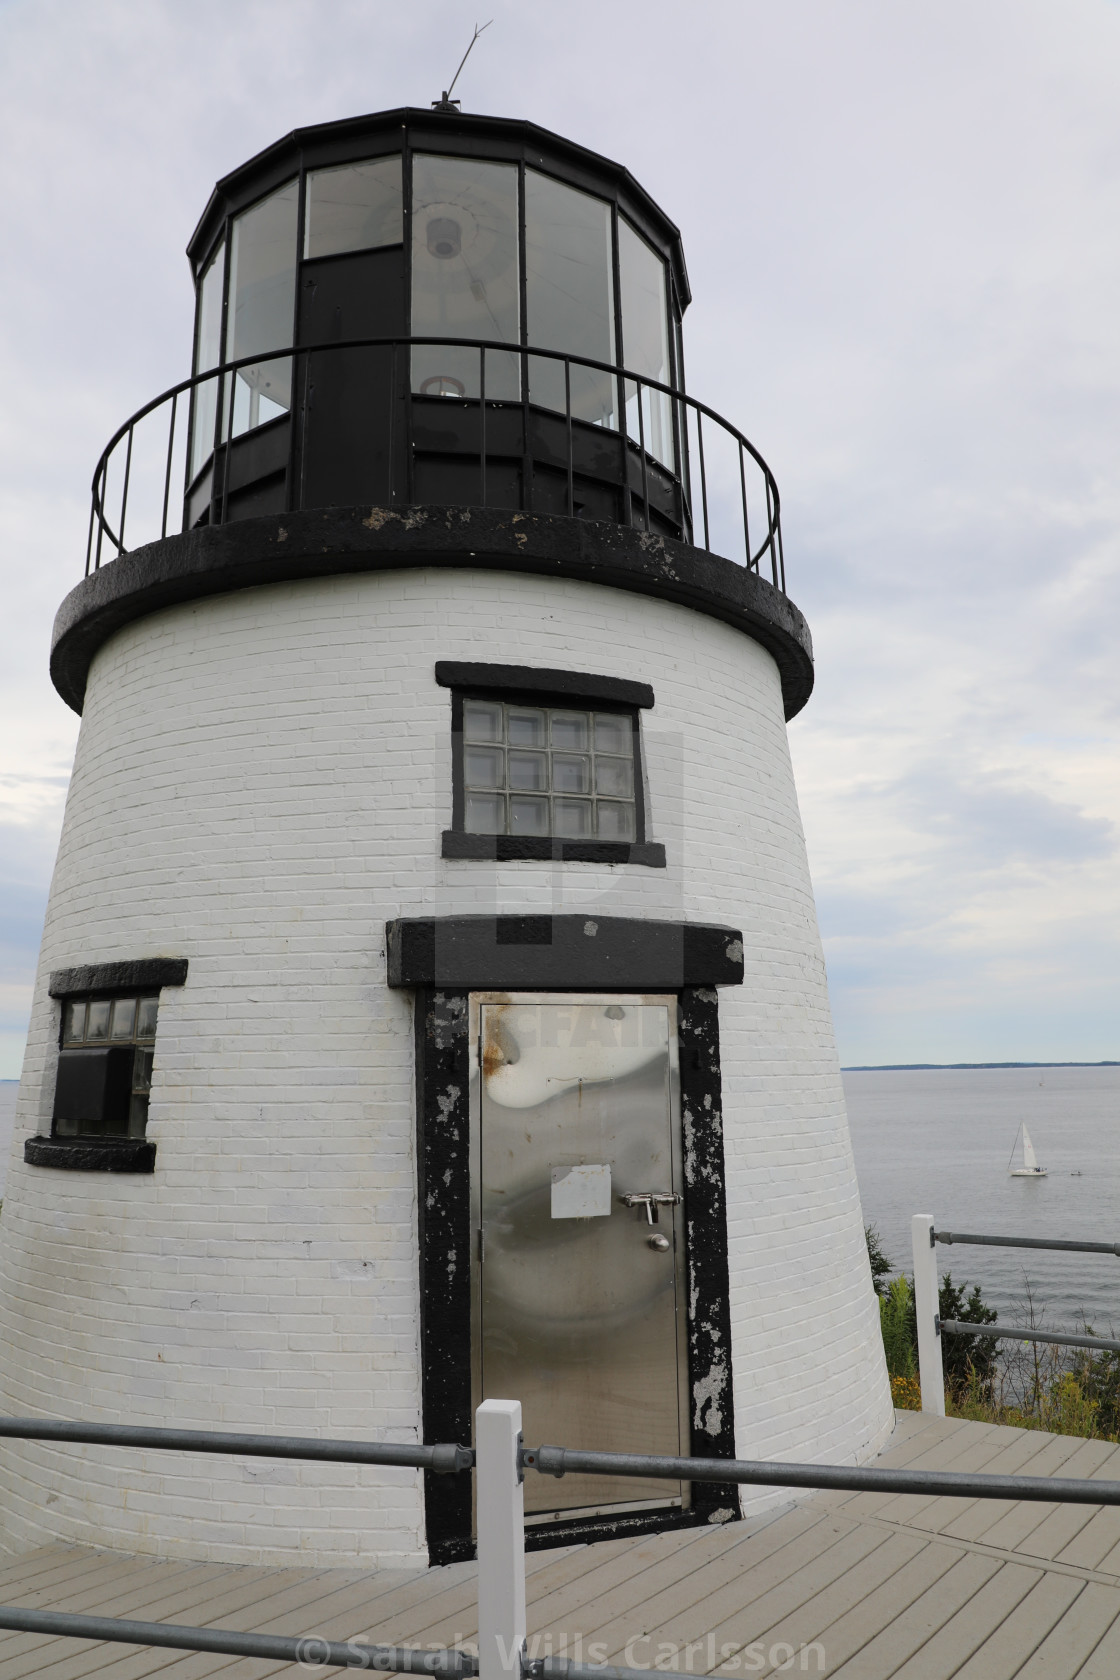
(456,310)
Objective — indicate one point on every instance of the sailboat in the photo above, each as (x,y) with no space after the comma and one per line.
(1030,1167)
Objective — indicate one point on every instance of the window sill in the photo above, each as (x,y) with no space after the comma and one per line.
(91,1154)
(512,848)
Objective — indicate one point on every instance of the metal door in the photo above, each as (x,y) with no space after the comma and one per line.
(578,1302)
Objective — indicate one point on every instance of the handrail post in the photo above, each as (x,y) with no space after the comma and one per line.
(501,1540)
(930,1367)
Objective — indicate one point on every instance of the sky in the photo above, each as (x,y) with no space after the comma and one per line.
(902,225)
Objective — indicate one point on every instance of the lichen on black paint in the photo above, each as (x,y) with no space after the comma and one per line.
(443,1201)
(712,1413)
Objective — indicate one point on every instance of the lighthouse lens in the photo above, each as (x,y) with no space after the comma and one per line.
(465,280)
(445,237)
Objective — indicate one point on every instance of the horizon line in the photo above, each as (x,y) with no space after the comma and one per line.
(923,1067)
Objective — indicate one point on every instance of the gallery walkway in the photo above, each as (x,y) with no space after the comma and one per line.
(858,1586)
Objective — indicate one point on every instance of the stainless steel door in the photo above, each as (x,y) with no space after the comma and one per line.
(578,1297)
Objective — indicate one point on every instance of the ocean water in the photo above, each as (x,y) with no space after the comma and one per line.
(939,1142)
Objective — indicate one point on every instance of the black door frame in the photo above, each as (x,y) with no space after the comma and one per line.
(556,954)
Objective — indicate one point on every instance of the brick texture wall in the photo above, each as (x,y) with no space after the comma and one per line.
(261,782)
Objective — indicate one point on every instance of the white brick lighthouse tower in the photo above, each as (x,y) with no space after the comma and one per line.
(431,1003)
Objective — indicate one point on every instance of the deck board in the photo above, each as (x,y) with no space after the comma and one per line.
(893,1587)
(946,1650)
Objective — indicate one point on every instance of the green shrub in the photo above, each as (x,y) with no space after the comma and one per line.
(880,1265)
(896,1319)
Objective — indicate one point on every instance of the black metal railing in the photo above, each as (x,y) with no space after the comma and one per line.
(698,478)
(450,1458)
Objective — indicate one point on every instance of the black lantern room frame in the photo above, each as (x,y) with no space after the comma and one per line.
(331,370)
(474,370)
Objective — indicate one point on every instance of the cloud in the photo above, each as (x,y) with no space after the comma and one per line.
(984,823)
(905,257)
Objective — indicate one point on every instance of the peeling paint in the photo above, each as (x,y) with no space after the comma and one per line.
(380,517)
(706,1397)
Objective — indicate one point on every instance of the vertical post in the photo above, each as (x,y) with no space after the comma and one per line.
(746,520)
(482,421)
(170,453)
(501,1540)
(929,1324)
(568,424)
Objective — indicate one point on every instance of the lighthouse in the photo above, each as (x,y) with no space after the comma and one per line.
(431,1004)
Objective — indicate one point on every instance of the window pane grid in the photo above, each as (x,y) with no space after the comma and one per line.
(128,1020)
(556,772)
(89,1023)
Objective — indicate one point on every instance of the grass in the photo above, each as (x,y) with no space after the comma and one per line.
(1025,1385)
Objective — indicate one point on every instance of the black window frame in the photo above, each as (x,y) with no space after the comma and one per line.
(104,982)
(529,685)
(110,995)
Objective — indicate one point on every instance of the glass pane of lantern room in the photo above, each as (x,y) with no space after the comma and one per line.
(208,353)
(464,274)
(569,296)
(262,283)
(354,208)
(645,340)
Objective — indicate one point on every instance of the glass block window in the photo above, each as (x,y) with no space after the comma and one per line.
(105,1066)
(559,771)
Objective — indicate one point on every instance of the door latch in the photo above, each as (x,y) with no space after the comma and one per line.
(651,1200)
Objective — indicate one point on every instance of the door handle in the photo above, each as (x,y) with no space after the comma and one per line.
(651,1200)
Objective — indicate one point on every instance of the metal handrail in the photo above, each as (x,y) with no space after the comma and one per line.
(102,528)
(1022,1333)
(949,1237)
(444,1458)
(851,1478)
(932,1327)
(447,1663)
(227,1642)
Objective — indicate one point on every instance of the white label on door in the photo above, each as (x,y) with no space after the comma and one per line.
(581,1192)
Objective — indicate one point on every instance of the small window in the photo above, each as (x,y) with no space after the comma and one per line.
(541,771)
(105,1066)
(354,207)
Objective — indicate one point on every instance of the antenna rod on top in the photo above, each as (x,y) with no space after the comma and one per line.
(447,103)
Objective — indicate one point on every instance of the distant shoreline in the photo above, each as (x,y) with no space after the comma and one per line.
(948,1067)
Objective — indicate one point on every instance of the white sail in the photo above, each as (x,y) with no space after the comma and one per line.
(1030,1159)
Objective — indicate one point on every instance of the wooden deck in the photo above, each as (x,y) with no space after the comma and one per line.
(858,1586)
